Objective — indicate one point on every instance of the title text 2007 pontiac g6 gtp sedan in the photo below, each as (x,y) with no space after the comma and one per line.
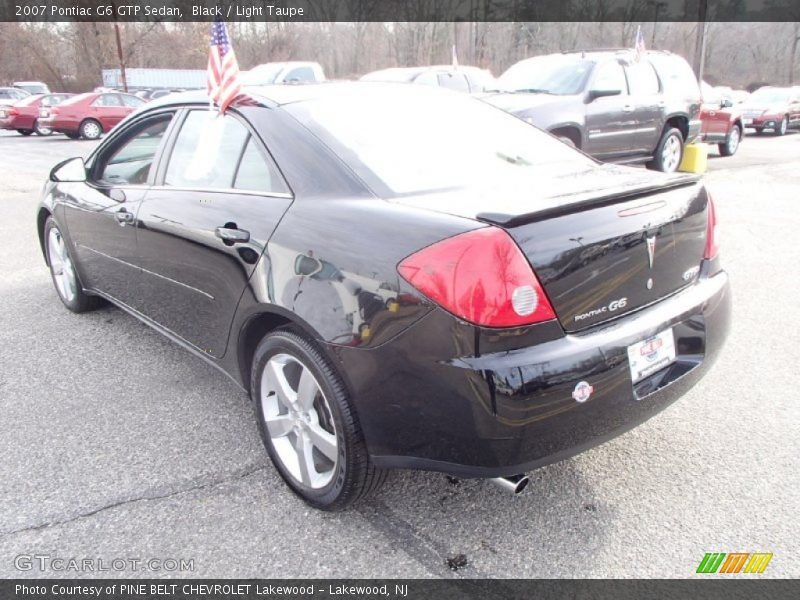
(401,277)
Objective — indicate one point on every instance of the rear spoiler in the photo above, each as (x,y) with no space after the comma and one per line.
(564,205)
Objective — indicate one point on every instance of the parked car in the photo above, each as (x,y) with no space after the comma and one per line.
(89,115)
(461,78)
(23,116)
(252,239)
(284,72)
(775,108)
(11,95)
(721,121)
(608,104)
(32,87)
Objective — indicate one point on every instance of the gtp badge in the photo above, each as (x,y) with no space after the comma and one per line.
(582,392)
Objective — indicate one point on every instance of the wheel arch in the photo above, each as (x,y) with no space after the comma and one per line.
(679,122)
(262,321)
(571,131)
(87,119)
(41,219)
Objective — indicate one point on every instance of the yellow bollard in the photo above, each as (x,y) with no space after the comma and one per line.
(695,158)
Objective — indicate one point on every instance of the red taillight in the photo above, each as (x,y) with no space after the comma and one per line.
(712,245)
(480,276)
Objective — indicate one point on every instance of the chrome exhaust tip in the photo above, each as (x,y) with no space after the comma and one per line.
(514,484)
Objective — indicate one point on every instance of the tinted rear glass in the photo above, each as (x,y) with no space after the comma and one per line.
(417,138)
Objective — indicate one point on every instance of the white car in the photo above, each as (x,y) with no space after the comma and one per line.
(32,87)
(11,95)
(284,72)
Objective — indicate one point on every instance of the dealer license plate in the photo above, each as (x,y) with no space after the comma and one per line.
(651,355)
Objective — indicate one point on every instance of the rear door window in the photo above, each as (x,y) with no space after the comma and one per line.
(642,79)
(107,100)
(218,153)
(301,74)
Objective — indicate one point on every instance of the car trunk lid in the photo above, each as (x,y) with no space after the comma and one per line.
(611,241)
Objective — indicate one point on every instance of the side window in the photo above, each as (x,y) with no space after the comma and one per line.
(642,79)
(454,81)
(301,74)
(130,160)
(131,101)
(610,76)
(258,174)
(206,151)
(107,100)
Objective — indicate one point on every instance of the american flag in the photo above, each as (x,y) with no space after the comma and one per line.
(639,46)
(223,69)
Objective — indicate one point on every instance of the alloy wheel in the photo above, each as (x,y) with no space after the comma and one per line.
(61,266)
(784,126)
(733,141)
(299,421)
(671,154)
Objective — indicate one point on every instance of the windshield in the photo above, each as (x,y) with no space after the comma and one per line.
(419,139)
(769,96)
(560,75)
(34,88)
(78,98)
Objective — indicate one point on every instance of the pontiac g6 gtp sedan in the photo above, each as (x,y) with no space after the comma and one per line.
(401,277)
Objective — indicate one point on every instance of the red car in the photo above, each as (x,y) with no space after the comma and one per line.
(721,122)
(23,115)
(772,108)
(89,115)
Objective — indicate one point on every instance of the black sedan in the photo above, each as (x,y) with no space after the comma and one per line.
(400,277)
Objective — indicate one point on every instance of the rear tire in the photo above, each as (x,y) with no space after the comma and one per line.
(43,131)
(307,422)
(62,270)
(731,145)
(25,132)
(669,151)
(91,129)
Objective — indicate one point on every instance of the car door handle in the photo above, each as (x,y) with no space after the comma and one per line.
(123,217)
(627,108)
(232,235)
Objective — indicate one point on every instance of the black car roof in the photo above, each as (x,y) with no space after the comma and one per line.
(280,94)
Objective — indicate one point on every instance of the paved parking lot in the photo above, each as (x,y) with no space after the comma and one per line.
(118,444)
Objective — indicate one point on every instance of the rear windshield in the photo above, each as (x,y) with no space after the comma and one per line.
(28,100)
(419,139)
(78,98)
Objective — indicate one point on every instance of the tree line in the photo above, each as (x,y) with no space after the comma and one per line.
(70,56)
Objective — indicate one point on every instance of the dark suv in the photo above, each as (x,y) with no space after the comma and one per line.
(611,104)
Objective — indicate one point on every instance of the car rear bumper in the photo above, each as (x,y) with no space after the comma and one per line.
(58,125)
(507,412)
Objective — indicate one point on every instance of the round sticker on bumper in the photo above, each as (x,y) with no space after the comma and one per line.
(582,392)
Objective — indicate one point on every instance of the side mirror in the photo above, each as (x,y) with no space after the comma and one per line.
(595,94)
(70,170)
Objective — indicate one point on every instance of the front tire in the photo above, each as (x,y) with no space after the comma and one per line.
(91,129)
(782,127)
(731,145)
(62,270)
(308,424)
(669,151)
(73,136)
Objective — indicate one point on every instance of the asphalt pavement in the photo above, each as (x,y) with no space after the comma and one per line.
(118,444)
